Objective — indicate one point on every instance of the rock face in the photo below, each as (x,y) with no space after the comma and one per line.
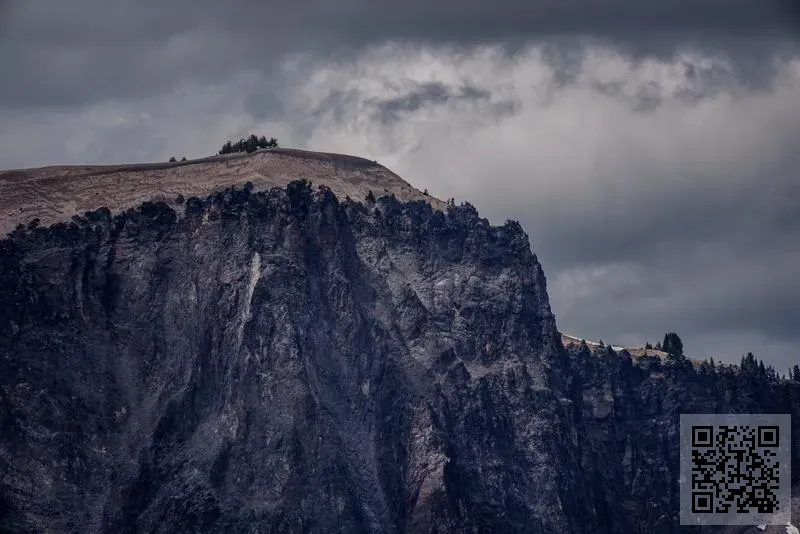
(628,419)
(284,361)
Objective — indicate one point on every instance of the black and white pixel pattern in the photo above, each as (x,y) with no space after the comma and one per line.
(735,469)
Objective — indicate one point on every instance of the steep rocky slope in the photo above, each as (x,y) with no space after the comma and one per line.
(628,416)
(279,361)
(290,361)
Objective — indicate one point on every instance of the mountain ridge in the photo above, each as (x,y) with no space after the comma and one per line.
(56,193)
(287,360)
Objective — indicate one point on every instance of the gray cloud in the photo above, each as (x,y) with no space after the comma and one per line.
(647,148)
(425,94)
(58,54)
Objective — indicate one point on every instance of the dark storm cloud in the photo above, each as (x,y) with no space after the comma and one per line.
(57,53)
(649,148)
(682,216)
(426,94)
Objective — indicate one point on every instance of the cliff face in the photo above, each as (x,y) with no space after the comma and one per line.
(284,361)
(279,362)
(628,415)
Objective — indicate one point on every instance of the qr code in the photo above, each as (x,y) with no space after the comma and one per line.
(735,469)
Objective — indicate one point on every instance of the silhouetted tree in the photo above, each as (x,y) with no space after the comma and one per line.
(183,158)
(251,145)
(370,196)
(172,159)
(794,374)
(227,148)
(673,345)
(749,365)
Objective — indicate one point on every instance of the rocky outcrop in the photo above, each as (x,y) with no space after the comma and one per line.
(286,361)
(280,361)
(628,418)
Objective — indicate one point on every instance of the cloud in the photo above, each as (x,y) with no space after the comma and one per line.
(678,215)
(56,54)
(655,171)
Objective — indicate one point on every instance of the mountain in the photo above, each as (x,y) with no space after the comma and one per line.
(215,347)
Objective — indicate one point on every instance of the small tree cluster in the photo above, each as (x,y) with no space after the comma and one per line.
(249,144)
(673,345)
(752,367)
(794,373)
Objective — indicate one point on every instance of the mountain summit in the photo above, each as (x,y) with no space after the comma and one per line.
(197,353)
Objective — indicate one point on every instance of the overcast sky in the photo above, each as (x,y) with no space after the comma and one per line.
(649,147)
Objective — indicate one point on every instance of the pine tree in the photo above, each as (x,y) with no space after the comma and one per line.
(749,365)
(673,345)
(227,148)
(370,197)
(251,145)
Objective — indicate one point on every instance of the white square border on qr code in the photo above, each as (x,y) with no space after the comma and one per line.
(714,488)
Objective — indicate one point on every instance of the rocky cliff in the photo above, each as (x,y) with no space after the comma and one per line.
(288,361)
(627,414)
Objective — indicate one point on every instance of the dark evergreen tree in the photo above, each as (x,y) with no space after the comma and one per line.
(172,159)
(749,365)
(227,148)
(795,373)
(183,158)
(251,145)
(370,197)
(673,345)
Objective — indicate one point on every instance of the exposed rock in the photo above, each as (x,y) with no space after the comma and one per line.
(292,364)
(284,361)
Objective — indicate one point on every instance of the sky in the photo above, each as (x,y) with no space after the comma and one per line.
(648,147)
